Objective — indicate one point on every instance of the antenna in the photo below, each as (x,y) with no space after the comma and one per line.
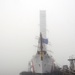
(43,23)
(41,42)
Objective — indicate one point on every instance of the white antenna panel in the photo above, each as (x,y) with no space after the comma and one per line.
(43,23)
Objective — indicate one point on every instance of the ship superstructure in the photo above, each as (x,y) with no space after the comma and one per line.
(42,62)
(72,63)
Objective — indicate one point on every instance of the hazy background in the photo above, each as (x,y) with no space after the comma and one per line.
(19,26)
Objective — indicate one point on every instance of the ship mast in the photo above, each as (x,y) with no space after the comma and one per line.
(42,46)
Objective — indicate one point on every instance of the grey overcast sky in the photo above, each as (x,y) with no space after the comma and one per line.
(19,26)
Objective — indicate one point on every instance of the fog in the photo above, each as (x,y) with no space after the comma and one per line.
(19,27)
